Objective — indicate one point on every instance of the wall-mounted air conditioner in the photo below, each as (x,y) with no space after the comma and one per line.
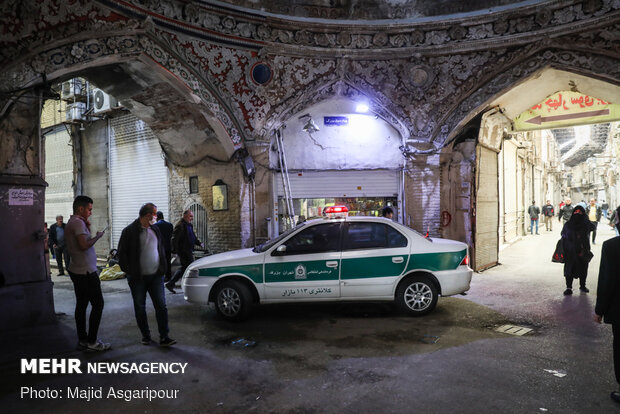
(73,89)
(75,112)
(102,102)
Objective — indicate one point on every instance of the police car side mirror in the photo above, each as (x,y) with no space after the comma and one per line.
(280,250)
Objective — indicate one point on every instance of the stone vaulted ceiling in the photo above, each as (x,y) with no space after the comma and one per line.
(371,9)
(426,74)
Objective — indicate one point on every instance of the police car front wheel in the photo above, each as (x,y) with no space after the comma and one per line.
(233,300)
(416,296)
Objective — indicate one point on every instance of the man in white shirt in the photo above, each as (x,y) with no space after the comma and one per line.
(142,256)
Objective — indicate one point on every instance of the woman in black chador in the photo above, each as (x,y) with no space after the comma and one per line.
(577,254)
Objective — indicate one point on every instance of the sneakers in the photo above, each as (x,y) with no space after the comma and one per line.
(170,287)
(584,289)
(167,341)
(146,340)
(568,291)
(98,346)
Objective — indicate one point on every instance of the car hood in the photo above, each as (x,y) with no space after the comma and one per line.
(234,257)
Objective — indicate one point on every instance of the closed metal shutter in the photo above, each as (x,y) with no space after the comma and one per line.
(318,184)
(59,175)
(138,174)
(487,209)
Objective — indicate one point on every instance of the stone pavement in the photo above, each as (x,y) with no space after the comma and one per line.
(347,359)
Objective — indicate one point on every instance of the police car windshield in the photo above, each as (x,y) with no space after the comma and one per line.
(269,244)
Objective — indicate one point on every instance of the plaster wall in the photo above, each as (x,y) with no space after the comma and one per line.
(365,142)
(95,179)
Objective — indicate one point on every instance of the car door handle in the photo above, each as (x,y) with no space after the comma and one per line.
(398,259)
(332,264)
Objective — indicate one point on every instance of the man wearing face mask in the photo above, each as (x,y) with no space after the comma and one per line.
(142,257)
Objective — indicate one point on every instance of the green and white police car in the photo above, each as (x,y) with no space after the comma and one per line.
(333,259)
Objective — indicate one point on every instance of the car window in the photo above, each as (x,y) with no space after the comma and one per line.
(372,236)
(315,239)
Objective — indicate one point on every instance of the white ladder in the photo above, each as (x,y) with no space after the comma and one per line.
(286,183)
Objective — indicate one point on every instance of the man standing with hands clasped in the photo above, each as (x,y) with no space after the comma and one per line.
(142,257)
(608,299)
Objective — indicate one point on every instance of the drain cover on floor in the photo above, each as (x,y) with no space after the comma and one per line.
(513,330)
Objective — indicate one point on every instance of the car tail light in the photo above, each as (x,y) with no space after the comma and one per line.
(465,261)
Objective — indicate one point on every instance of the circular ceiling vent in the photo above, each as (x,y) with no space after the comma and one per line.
(261,73)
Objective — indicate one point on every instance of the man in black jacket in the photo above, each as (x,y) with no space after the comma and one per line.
(166,233)
(57,237)
(566,212)
(183,241)
(608,299)
(142,257)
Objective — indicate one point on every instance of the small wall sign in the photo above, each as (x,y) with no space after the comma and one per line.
(335,120)
(21,197)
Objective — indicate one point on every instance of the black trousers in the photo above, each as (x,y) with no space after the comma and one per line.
(186,260)
(594,231)
(569,281)
(168,275)
(615,327)
(87,290)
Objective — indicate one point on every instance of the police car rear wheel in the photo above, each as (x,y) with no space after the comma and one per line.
(233,300)
(417,296)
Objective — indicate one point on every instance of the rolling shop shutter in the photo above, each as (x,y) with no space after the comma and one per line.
(318,184)
(138,173)
(486,240)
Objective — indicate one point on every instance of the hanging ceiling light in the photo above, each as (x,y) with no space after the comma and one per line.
(310,126)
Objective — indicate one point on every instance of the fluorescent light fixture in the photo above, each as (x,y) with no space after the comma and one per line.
(362,108)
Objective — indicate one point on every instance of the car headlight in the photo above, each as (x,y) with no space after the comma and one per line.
(192,273)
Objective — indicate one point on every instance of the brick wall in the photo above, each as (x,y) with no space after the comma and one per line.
(224,228)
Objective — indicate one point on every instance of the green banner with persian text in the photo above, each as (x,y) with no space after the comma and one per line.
(566,108)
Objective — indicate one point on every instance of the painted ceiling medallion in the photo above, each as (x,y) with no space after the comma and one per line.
(421,76)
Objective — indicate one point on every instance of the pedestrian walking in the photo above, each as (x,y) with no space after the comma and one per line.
(614,221)
(607,306)
(605,209)
(577,254)
(594,213)
(548,213)
(83,273)
(183,242)
(142,257)
(566,211)
(57,237)
(165,229)
(534,213)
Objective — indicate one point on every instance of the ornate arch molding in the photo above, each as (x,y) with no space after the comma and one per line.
(590,64)
(79,54)
(358,91)
(253,29)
